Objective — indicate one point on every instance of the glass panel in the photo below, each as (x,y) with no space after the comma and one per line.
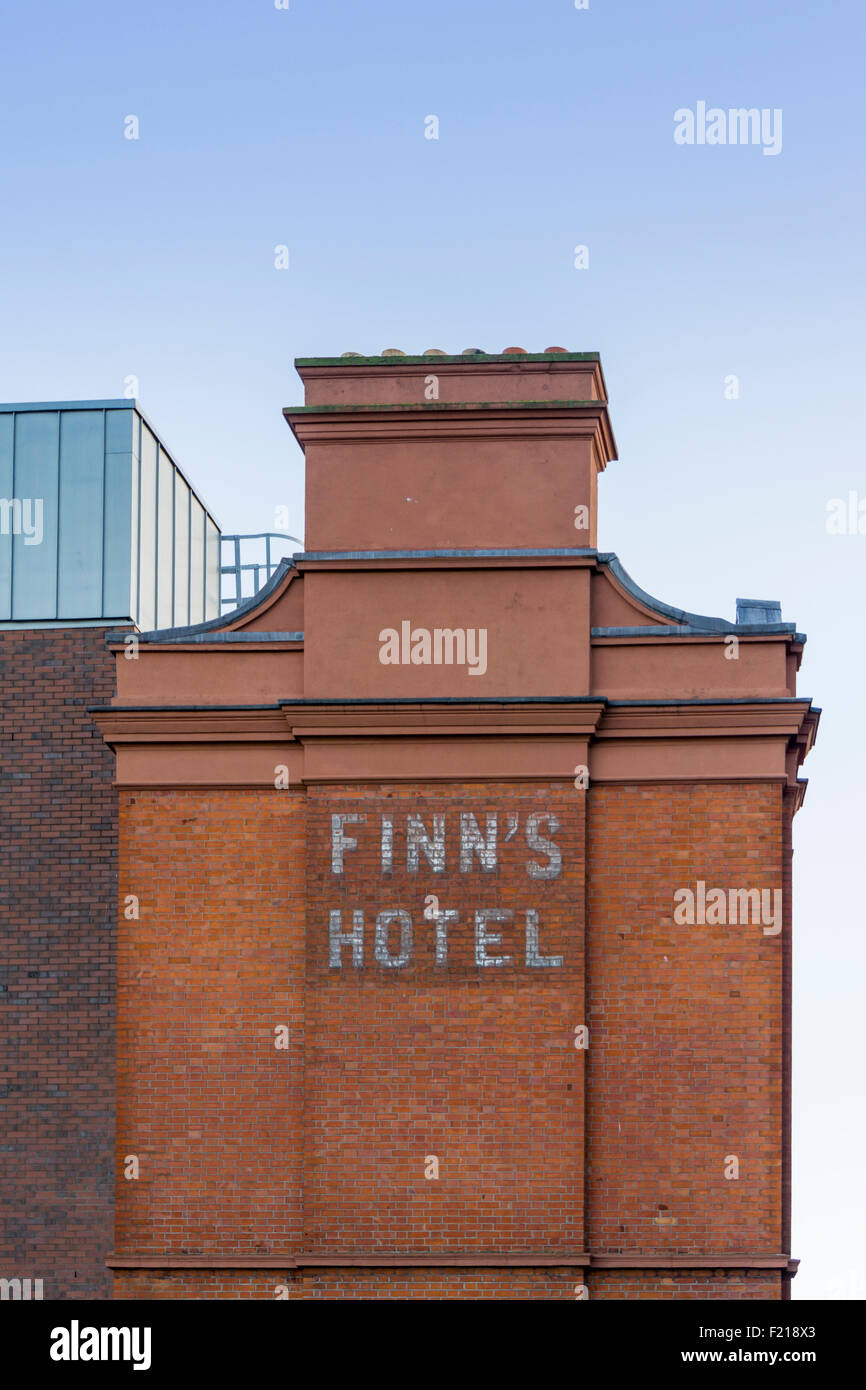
(7,432)
(147,532)
(34,547)
(118,431)
(196,562)
(79,549)
(212,580)
(181,552)
(133,538)
(165,542)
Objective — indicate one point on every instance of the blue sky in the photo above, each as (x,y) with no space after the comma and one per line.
(305,127)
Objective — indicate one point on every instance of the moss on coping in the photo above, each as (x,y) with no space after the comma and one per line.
(352,409)
(474,358)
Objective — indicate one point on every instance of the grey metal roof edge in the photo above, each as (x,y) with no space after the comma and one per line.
(16,624)
(443,554)
(471,700)
(724,700)
(167,709)
(447,700)
(738,629)
(539,700)
(127,403)
(688,624)
(679,615)
(379,700)
(186,634)
(696,622)
(230,637)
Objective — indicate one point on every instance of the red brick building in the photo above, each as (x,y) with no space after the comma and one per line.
(454,946)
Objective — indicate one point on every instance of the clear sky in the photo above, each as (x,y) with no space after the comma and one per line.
(305,128)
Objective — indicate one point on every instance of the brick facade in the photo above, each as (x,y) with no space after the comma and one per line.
(57,988)
(457,1284)
(385,899)
(321,1147)
(686,1023)
(244,1146)
(206,1103)
(714,1284)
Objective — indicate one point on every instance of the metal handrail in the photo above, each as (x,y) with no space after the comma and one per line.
(239,566)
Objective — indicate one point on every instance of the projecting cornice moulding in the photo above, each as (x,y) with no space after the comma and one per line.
(455,740)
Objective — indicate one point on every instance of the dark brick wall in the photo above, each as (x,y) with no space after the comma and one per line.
(58,875)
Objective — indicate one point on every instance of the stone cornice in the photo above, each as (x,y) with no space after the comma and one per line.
(301,721)
(706,718)
(506,1259)
(123,724)
(569,719)
(585,717)
(440,420)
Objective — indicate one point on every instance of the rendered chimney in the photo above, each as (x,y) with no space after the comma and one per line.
(463,452)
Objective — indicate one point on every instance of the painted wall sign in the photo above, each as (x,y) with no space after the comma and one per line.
(446,846)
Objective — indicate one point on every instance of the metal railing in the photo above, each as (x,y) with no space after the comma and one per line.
(260,569)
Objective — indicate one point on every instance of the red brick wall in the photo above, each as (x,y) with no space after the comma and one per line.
(322,1147)
(464,1283)
(686,1044)
(685,1283)
(476,1068)
(215,962)
(57,891)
